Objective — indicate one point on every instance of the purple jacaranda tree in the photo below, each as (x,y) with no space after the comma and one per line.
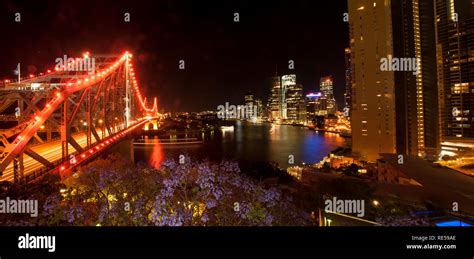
(111,192)
(403,220)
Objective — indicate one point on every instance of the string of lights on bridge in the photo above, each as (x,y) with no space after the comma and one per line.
(84,156)
(72,87)
(88,81)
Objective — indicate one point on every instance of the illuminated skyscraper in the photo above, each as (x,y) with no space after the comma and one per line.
(326,87)
(311,100)
(275,99)
(455,52)
(416,94)
(295,109)
(286,99)
(249,99)
(373,103)
(348,75)
(259,105)
(288,89)
(321,106)
(399,106)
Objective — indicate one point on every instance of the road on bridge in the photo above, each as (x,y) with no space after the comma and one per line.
(51,151)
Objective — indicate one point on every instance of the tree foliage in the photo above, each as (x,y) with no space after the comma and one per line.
(111,192)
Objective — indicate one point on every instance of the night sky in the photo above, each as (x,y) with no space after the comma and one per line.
(223,59)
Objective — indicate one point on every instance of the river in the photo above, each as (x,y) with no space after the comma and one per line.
(282,144)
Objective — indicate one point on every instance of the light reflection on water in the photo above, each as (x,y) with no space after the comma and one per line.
(251,142)
(156,157)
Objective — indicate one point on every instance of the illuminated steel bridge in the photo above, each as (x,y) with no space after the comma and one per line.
(59,119)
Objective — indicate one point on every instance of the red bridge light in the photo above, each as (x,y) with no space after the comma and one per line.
(71,86)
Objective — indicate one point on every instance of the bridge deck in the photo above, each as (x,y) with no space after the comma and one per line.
(52,151)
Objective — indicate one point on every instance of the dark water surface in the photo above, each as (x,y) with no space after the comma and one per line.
(249,142)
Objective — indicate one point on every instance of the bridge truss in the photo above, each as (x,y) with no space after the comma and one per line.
(60,118)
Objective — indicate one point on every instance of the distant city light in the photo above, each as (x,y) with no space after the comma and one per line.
(312,95)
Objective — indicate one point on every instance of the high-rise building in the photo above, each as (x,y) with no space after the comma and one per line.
(267,111)
(416,94)
(301,111)
(321,106)
(259,105)
(373,100)
(275,99)
(348,75)
(455,56)
(311,100)
(255,104)
(286,100)
(294,100)
(288,82)
(395,107)
(326,87)
(249,99)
